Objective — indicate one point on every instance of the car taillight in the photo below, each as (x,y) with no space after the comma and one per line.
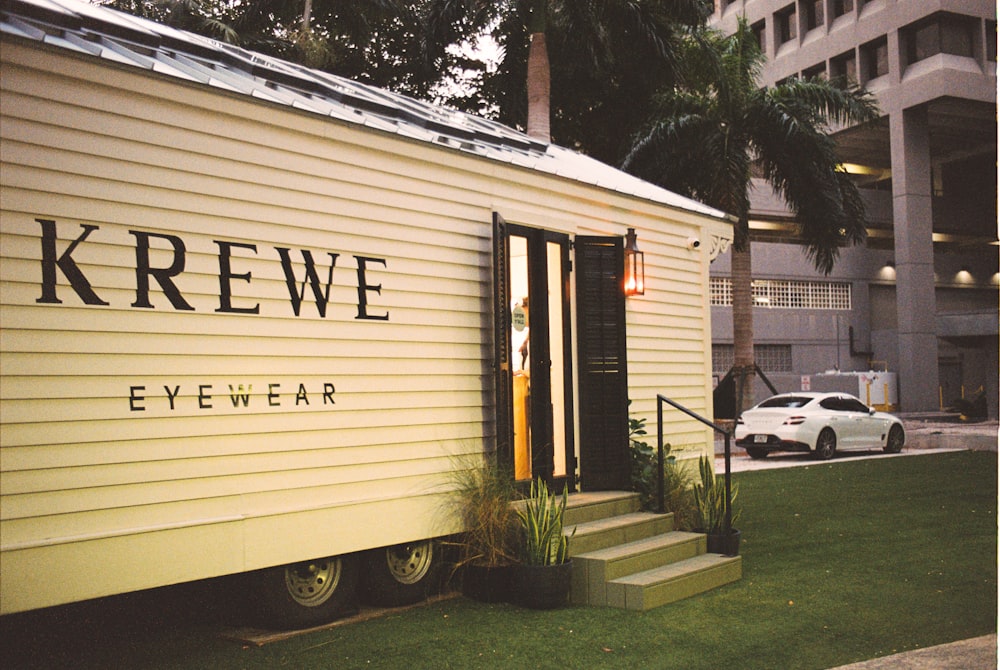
(794,420)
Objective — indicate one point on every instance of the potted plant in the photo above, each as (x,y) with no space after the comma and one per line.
(710,500)
(488,547)
(542,580)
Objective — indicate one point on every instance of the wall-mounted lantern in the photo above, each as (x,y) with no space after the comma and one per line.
(635,266)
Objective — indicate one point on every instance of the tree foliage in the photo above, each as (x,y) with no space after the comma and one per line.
(712,133)
(607,57)
(205,17)
(381,42)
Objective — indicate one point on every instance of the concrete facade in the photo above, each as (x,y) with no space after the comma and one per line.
(923,291)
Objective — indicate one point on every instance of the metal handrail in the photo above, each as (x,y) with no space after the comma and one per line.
(660,400)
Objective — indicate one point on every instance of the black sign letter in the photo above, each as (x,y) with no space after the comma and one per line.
(162,275)
(65,263)
(135,400)
(297,296)
(364,287)
(226,274)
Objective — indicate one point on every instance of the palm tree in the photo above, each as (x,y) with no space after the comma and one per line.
(710,136)
(539,76)
(577,71)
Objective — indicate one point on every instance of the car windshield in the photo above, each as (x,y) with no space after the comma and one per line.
(786,401)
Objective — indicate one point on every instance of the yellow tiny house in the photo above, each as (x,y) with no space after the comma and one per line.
(252,313)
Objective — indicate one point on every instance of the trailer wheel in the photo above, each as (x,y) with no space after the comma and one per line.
(309,593)
(402,574)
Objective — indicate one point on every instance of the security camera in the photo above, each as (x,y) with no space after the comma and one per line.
(693,243)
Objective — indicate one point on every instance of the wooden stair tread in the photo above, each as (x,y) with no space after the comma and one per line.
(598,497)
(644,545)
(620,521)
(635,560)
(674,570)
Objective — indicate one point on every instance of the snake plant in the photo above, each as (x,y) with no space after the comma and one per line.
(545,543)
(710,498)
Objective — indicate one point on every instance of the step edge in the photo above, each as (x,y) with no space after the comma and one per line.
(616,522)
(687,567)
(646,545)
(644,598)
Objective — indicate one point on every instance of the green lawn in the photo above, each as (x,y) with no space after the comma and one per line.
(843,561)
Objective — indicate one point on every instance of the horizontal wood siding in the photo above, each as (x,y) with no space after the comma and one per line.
(669,346)
(121,421)
(126,422)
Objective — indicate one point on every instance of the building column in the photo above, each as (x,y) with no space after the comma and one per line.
(912,234)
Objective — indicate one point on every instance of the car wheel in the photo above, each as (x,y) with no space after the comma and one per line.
(402,574)
(894,444)
(308,593)
(826,444)
(756,452)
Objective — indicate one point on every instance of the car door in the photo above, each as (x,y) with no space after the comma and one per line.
(842,420)
(867,432)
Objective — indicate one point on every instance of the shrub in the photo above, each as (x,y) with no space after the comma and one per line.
(678,496)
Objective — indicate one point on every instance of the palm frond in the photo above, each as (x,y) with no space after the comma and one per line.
(823,102)
(799,160)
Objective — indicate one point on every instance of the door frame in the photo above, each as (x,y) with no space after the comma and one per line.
(541,415)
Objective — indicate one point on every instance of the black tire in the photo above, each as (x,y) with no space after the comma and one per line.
(310,593)
(756,452)
(826,444)
(402,574)
(895,441)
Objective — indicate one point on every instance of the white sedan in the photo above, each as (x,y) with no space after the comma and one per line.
(821,423)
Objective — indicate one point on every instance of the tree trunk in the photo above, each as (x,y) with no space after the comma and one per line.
(538,88)
(743,358)
(307,16)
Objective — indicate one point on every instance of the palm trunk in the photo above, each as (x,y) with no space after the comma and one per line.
(538,88)
(743,358)
(307,16)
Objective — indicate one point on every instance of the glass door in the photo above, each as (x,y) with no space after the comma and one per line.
(539,355)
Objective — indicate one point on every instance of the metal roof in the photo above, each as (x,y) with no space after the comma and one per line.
(131,41)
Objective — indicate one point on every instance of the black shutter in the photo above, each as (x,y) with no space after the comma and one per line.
(601,352)
(503,389)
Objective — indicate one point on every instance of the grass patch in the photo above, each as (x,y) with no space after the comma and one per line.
(843,561)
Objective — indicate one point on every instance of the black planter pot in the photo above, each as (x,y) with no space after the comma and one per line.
(728,545)
(541,587)
(487,583)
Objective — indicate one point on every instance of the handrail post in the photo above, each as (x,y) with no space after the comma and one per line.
(661,507)
(660,399)
(729,492)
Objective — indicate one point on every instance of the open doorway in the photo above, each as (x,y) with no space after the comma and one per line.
(534,353)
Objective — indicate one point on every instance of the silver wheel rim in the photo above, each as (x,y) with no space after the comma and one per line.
(895,439)
(409,563)
(825,445)
(312,583)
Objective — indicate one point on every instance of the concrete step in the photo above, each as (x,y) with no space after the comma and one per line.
(683,579)
(621,529)
(626,558)
(594,505)
(592,571)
